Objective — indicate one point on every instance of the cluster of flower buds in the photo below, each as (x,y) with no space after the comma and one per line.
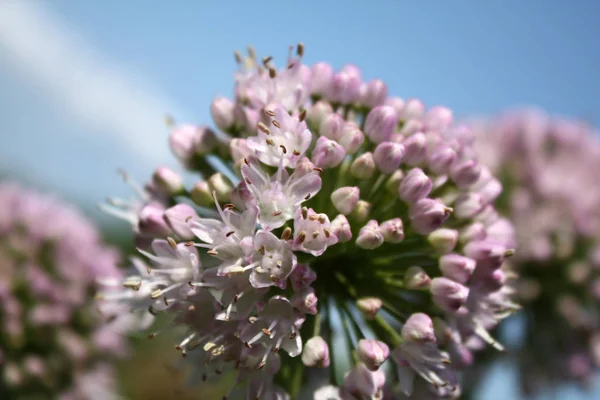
(551,193)
(53,342)
(332,198)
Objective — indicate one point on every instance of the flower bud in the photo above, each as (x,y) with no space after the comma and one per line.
(240,196)
(316,353)
(392,185)
(360,383)
(341,228)
(302,277)
(186,141)
(474,232)
(375,93)
(438,118)
(392,230)
(396,103)
(413,109)
(441,159)
(345,198)
(201,194)
(443,240)
(447,294)
(179,217)
(465,173)
(457,267)
(487,253)
(369,306)
(331,126)
(416,278)
(221,186)
(246,118)
(388,156)
(370,236)
(380,123)
(415,149)
(321,75)
(363,167)
(415,186)
(351,137)
(327,153)
(418,328)
(151,221)
(344,87)
(317,112)
(239,150)
(468,205)
(372,353)
(361,211)
(426,215)
(491,190)
(305,301)
(167,181)
(222,111)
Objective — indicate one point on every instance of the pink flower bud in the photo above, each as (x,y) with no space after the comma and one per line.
(426,215)
(438,118)
(415,278)
(369,306)
(413,109)
(186,141)
(345,198)
(341,228)
(396,102)
(151,221)
(327,153)
(363,167)
(447,294)
(305,301)
(457,267)
(302,277)
(361,383)
(370,236)
(331,126)
(468,205)
(415,186)
(418,328)
(393,230)
(375,93)
(441,159)
(361,211)
(372,353)
(240,196)
(415,149)
(317,112)
(316,353)
(388,156)
(380,123)
(443,240)
(487,253)
(351,137)
(222,111)
(321,75)
(179,218)
(201,194)
(465,173)
(344,87)
(167,181)
(474,232)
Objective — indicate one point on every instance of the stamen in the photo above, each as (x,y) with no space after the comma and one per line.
(304,212)
(302,115)
(263,128)
(277,213)
(286,234)
(172,243)
(276,123)
(188,218)
(270,113)
(300,49)
(283,148)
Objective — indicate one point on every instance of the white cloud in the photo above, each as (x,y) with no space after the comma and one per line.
(83,82)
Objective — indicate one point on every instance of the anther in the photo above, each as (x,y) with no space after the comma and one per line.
(283,148)
(270,113)
(172,243)
(276,123)
(276,213)
(263,128)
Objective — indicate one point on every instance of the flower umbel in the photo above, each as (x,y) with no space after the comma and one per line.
(341,192)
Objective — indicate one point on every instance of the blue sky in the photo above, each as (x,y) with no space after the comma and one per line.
(85,92)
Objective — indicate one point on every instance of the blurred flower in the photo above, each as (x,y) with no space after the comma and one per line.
(342,197)
(550,168)
(53,342)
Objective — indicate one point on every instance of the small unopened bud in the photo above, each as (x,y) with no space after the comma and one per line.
(201,194)
(167,181)
(415,278)
(427,215)
(372,353)
(222,111)
(345,198)
(443,240)
(474,232)
(370,236)
(392,185)
(438,118)
(302,277)
(317,113)
(413,109)
(374,94)
(457,267)
(151,221)
(179,218)
(369,306)
(344,87)
(240,196)
(415,186)
(363,167)
(388,156)
(331,126)
(321,75)
(465,173)
(351,137)
(468,205)
(305,301)
(418,328)
(441,159)
(447,294)
(316,353)
(361,211)
(380,123)
(340,227)
(393,230)
(415,147)
(221,186)
(363,383)
(327,153)
(489,253)
(186,141)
